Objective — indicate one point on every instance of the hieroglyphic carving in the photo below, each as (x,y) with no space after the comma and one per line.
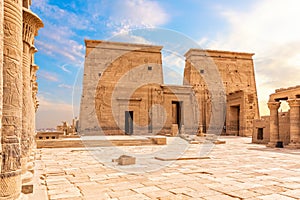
(1,76)
(11,157)
(11,79)
(158,97)
(10,32)
(12,99)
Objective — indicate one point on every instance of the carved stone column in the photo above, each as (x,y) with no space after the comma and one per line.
(31,24)
(10,177)
(274,125)
(33,92)
(1,76)
(294,123)
(25,109)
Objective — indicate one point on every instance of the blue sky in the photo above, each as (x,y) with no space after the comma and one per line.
(267,28)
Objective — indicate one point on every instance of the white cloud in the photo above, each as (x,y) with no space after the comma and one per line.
(50,76)
(269,29)
(65,86)
(130,14)
(66,49)
(64,16)
(130,38)
(58,37)
(173,61)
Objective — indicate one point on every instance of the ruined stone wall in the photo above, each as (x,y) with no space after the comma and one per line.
(284,127)
(237,74)
(264,123)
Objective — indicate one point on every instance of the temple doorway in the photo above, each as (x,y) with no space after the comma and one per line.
(177,113)
(128,122)
(235,120)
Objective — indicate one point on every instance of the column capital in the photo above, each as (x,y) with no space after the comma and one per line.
(294,102)
(274,105)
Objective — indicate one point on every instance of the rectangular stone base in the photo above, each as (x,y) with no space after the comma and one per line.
(159,140)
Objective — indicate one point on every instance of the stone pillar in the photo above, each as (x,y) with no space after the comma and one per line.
(31,24)
(10,177)
(274,125)
(1,76)
(25,108)
(294,123)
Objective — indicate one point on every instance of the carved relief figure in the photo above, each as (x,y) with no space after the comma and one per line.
(11,84)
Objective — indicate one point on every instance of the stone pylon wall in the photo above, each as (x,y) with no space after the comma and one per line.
(236,73)
(10,177)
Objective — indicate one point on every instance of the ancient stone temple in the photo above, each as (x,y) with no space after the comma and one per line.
(280,129)
(124,92)
(18,88)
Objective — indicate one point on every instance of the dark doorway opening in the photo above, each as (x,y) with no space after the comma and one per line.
(260,133)
(128,122)
(235,120)
(177,113)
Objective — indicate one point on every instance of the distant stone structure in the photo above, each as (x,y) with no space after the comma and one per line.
(280,129)
(62,131)
(18,103)
(124,92)
(67,129)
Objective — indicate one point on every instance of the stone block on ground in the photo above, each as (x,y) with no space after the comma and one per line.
(125,160)
(159,140)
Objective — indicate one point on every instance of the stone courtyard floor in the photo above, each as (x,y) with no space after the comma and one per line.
(235,170)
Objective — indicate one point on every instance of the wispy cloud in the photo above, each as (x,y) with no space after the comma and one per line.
(64,68)
(173,61)
(64,16)
(270,31)
(49,76)
(69,51)
(58,39)
(130,14)
(65,86)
